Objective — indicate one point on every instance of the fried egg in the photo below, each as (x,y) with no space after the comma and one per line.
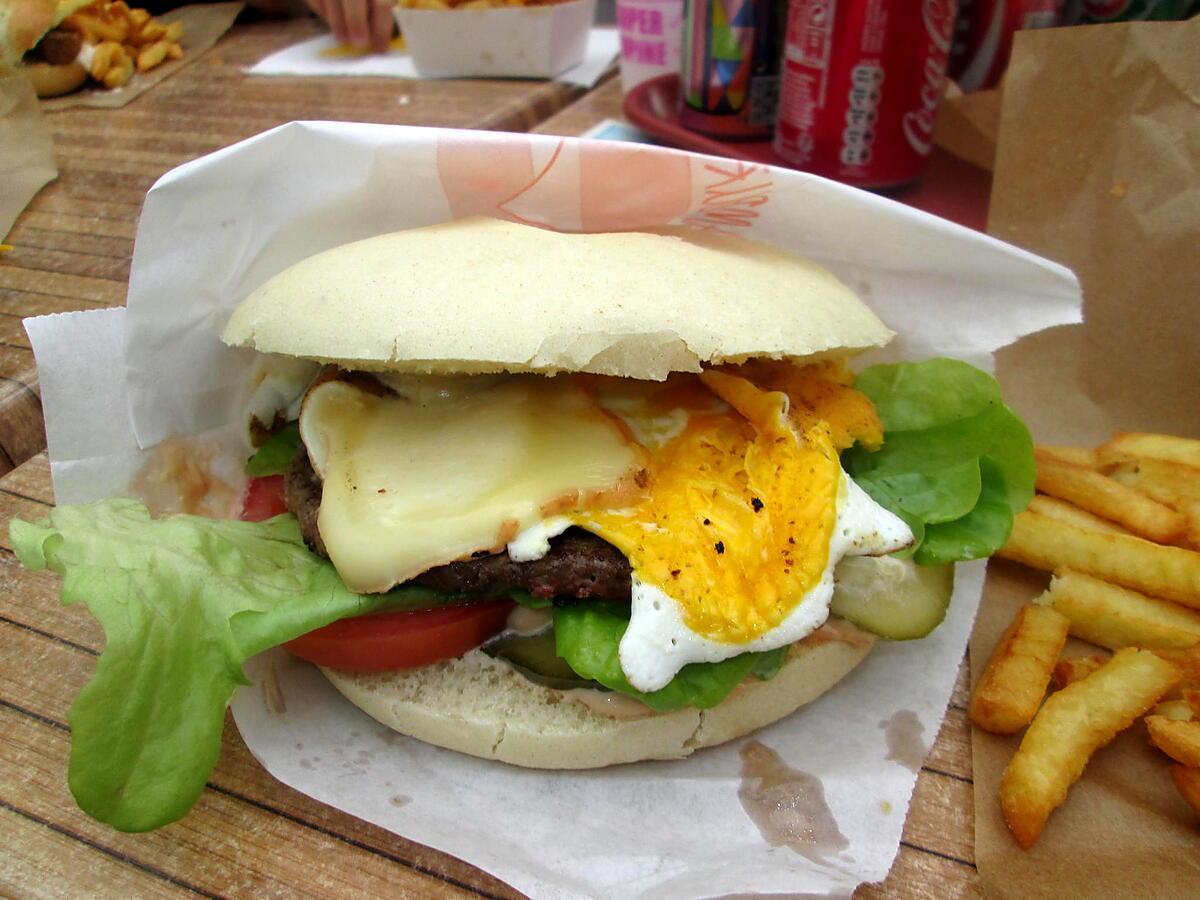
(748,511)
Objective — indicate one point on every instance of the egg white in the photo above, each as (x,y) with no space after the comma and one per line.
(657,643)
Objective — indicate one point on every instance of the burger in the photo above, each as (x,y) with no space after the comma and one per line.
(560,500)
(54,59)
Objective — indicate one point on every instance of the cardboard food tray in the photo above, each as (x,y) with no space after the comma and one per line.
(508,42)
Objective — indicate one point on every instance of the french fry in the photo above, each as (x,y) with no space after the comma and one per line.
(1191,696)
(1178,710)
(1075,668)
(1152,446)
(1188,782)
(102,59)
(174,32)
(153,55)
(1172,483)
(1167,482)
(107,29)
(138,18)
(1099,494)
(1014,682)
(1180,740)
(1114,617)
(1076,456)
(1072,725)
(1043,543)
(119,75)
(1053,508)
(1186,661)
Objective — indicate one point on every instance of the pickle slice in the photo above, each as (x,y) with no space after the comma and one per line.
(534,656)
(893,598)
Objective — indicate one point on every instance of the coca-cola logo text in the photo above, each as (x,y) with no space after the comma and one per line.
(938,17)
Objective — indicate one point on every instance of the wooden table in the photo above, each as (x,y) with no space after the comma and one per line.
(937,852)
(73,243)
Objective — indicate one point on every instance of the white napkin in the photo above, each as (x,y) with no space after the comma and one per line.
(305,59)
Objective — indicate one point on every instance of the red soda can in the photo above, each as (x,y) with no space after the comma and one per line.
(984,32)
(862,82)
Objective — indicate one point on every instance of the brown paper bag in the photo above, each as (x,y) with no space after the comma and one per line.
(1098,167)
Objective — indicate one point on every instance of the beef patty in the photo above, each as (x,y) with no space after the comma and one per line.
(579,564)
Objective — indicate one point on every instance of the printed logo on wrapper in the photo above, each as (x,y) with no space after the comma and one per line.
(732,194)
(607,185)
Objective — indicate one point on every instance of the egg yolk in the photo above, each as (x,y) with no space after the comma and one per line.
(736,522)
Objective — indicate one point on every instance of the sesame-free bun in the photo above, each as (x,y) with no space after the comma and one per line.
(51,80)
(483,707)
(480,295)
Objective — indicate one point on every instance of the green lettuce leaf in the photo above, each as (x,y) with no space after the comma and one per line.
(956,463)
(183,601)
(588,636)
(273,457)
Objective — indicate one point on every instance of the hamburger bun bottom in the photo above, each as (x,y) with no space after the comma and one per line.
(51,80)
(483,707)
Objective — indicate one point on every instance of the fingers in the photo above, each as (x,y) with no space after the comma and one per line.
(381,24)
(356,13)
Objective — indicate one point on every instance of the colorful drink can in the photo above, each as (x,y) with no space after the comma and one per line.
(729,80)
(861,86)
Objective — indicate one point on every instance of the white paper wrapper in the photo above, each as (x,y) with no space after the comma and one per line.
(305,59)
(214,229)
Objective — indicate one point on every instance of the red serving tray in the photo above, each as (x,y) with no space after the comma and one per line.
(950,187)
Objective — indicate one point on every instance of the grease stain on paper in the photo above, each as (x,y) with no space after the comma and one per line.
(787,805)
(903,733)
(272,692)
(400,800)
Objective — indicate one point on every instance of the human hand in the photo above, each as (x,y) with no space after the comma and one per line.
(359,23)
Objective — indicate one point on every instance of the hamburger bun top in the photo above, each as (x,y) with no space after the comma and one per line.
(481,295)
(23,22)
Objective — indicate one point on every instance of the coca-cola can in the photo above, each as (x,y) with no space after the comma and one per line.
(984,32)
(862,83)
(1095,12)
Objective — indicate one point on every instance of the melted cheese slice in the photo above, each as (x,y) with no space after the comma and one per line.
(419,481)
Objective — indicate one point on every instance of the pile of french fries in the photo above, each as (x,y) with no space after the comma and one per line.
(125,39)
(1119,526)
(474,4)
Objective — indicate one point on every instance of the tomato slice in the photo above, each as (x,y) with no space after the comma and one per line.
(264,499)
(402,640)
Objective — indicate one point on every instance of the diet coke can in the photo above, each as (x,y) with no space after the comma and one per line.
(862,82)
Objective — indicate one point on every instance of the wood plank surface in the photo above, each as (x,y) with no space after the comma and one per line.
(72,246)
